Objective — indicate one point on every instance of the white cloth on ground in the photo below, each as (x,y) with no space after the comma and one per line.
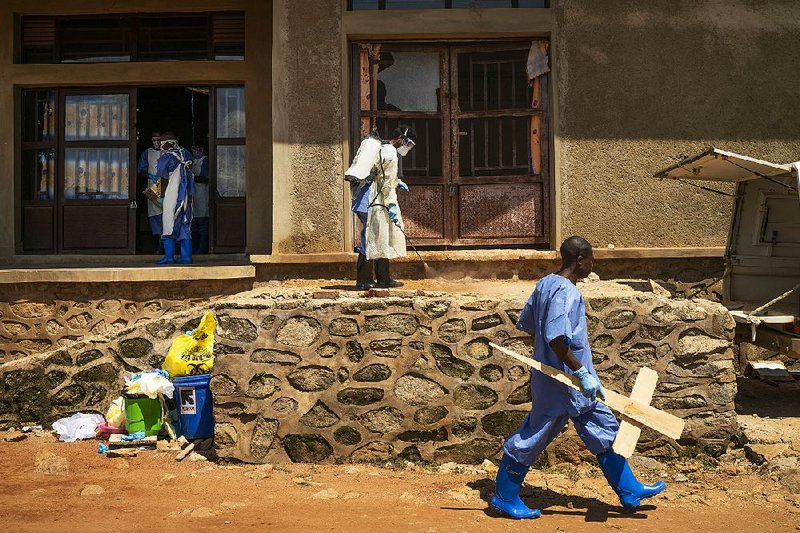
(77,427)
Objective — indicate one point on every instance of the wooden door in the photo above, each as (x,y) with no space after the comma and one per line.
(478,174)
(499,152)
(96,158)
(408,84)
(228,176)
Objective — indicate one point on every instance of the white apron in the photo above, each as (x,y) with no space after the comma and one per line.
(384,239)
(171,205)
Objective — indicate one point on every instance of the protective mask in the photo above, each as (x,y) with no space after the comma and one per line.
(406,147)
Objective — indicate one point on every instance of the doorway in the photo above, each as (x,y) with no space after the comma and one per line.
(185,112)
(479,175)
(80,189)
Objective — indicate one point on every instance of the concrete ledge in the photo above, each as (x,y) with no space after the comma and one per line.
(106,275)
(495,255)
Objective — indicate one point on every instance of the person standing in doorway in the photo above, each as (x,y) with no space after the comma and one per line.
(174,165)
(147,168)
(200,200)
(555,315)
(374,182)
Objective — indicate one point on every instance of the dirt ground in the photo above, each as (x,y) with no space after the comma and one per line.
(81,490)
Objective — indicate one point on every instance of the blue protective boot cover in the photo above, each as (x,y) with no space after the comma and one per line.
(169,251)
(621,478)
(506,498)
(186,252)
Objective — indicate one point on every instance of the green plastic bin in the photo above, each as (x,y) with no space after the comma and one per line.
(143,414)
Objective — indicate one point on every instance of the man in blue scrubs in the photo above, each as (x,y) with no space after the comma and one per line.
(555,315)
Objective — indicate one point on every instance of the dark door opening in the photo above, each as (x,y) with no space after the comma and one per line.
(181,110)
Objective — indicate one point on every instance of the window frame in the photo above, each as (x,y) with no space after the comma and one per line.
(133,28)
(448,4)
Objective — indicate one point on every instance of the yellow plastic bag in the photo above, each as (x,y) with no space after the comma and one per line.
(193,353)
(116,413)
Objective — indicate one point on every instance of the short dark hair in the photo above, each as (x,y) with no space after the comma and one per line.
(572,248)
(404,130)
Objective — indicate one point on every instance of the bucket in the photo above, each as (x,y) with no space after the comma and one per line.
(143,414)
(195,406)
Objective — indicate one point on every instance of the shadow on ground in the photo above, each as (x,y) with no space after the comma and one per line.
(756,397)
(551,503)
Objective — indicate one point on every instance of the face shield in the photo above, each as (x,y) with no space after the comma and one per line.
(406,147)
(166,145)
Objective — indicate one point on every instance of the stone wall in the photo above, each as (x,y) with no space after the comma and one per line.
(40,317)
(410,376)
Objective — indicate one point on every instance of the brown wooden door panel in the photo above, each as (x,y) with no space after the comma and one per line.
(500,194)
(422,209)
(96,228)
(37,228)
(230,225)
(384,98)
(500,211)
(96,186)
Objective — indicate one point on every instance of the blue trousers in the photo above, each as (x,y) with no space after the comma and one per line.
(362,247)
(597,427)
(156,225)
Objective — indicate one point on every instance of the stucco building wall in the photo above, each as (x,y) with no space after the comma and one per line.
(640,82)
(307,124)
(634,83)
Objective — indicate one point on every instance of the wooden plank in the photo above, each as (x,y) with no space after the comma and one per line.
(115,441)
(536,130)
(630,430)
(663,422)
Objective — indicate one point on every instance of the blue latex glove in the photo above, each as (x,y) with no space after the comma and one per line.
(589,384)
(402,185)
(152,177)
(133,436)
(394,214)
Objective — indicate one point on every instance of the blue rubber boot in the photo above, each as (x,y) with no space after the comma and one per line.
(621,478)
(508,484)
(169,251)
(186,252)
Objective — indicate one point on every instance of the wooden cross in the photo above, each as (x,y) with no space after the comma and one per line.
(636,410)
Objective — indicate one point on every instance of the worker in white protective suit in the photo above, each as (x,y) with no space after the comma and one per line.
(374,181)
(146,167)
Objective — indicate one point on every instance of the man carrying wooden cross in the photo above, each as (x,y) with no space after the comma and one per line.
(555,315)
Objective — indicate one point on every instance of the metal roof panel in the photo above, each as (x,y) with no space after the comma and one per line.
(719,165)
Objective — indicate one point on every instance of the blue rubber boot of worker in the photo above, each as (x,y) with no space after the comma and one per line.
(506,498)
(619,475)
(169,252)
(186,252)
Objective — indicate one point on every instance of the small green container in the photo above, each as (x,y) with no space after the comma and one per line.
(143,414)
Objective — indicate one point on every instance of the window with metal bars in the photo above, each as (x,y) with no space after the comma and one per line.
(372,5)
(132,37)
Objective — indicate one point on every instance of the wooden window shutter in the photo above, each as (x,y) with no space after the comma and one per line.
(228,35)
(39,40)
